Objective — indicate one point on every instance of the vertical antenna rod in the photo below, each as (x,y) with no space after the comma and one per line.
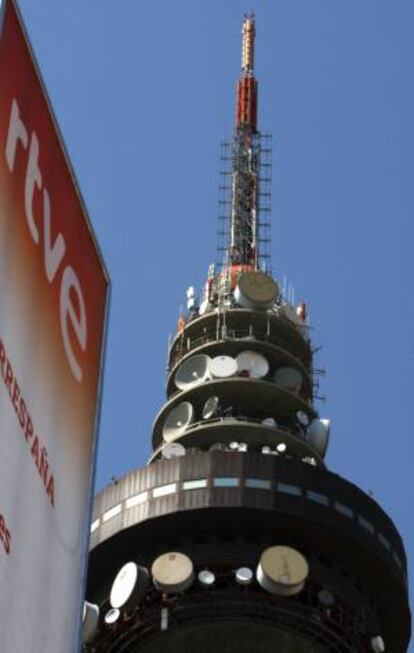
(243,248)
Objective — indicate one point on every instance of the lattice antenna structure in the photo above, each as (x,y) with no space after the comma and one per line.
(245,175)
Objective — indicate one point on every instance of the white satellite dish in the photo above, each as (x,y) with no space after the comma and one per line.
(204,306)
(178,421)
(129,586)
(173,450)
(252,364)
(269,421)
(172,572)
(90,621)
(289,378)
(193,371)
(211,407)
(377,644)
(223,367)
(302,418)
(218,446)
(123,585)
(112,616)
(244,576)
(317,435)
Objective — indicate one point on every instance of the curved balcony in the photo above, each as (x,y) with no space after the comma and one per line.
(258,398)
(241,324)
(233,344)
(253,432)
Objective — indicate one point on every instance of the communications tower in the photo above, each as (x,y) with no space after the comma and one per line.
(235,537)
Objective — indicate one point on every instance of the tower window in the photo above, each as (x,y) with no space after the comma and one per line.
(112,512)
(258,484)
(344,510)
(286,488)
(163,490)
(223,481)
(195,485)
(317,497)
(136,499)
(366,524)
(385,543)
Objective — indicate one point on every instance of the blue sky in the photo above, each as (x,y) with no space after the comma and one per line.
(144,92)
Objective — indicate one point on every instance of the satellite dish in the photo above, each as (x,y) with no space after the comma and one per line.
(317,435)
(256,290)
(377,644)
(302,418)
(223,367)
(172,572)
(129,586)
(252,364)
(269,421)
(281,447)
(234,446)
(204,306)
(206,578)
(243,446)
(173,450)
(290,313)
(244,576)
(90,621)
(178,421)
(289,378)
(192,371)
(211,407)
(326,598)
(218,446)
(112,616)
(282,570)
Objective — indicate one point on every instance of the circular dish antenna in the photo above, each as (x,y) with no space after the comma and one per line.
(178,421)
(173,450)
(281,447)
(112,616)
(193,371)
(317,435)
(206,578)
(129,586)
(326,598)
(269,421)
(244,576)
(123,585)
(256,290)
(223,367)
(289,378)
(211,407)
(282,570)
(218,446)
(302,418)
(252,364)
(172,572)
(90,621)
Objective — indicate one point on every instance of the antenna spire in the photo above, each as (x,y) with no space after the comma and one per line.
(246,115)
(249,33)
